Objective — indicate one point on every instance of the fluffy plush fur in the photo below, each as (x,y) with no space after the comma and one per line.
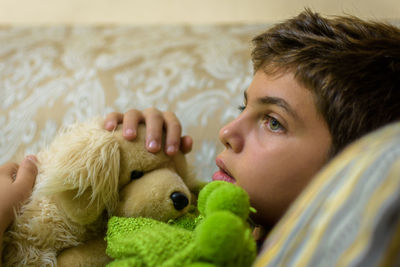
(85,176)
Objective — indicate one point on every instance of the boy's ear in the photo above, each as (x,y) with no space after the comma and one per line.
(81,169)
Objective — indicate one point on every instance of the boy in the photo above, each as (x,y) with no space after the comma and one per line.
(319,84)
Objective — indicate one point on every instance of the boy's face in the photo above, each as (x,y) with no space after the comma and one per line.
(275,146)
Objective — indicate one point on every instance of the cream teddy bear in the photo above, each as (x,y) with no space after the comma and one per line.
(86,175)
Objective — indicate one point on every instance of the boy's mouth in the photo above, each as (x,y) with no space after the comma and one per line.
(222,174)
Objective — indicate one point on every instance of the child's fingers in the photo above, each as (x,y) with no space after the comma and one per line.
(174,131)
(17,188)
(154,120)
(112,120)
(186,144)
(131,120)
(26,175)
(8,171)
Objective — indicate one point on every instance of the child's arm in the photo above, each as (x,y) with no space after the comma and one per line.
(156,121)
(16,183)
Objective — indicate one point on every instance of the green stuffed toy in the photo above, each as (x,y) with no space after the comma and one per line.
(214,234)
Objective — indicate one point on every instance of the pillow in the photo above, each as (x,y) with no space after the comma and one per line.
(349,215)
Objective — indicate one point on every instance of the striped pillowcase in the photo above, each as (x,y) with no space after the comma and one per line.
(350,213)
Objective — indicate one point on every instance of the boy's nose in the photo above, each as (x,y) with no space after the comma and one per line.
(231,137)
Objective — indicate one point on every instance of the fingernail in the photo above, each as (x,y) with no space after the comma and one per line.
(32,158)
(110,125)
(153,144)
(129,132)
(171,149)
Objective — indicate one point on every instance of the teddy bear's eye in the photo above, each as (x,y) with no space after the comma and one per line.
(136,175)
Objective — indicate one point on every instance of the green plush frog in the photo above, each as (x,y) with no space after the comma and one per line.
(214,234)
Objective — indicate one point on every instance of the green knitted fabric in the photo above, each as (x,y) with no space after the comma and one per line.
(189,221)
(136,237)
(218,236)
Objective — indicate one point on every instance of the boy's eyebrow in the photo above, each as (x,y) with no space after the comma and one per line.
(280,102)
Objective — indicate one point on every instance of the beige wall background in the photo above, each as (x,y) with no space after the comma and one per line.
(183,11)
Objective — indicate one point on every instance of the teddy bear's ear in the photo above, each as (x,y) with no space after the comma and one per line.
(81,169)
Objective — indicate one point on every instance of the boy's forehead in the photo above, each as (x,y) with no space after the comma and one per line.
(281,90)
(276,101)
(281,85)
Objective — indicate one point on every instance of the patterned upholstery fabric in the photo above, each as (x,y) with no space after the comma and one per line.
(53,76)
(349,215)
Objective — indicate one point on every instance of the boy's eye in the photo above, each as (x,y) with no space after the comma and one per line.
(241,108)
(273,124)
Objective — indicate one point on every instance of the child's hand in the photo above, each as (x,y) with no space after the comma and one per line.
(16,183)
(155,121)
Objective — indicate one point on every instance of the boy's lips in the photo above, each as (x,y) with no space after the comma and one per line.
(222,174)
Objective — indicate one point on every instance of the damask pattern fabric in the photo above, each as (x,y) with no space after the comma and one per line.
(53,76)
(350,213)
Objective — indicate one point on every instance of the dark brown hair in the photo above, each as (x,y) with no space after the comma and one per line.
(351,66)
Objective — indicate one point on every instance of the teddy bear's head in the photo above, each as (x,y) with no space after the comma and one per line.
(154,185)
(88,170)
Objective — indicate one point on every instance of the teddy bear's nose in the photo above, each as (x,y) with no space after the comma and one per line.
(180,200)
